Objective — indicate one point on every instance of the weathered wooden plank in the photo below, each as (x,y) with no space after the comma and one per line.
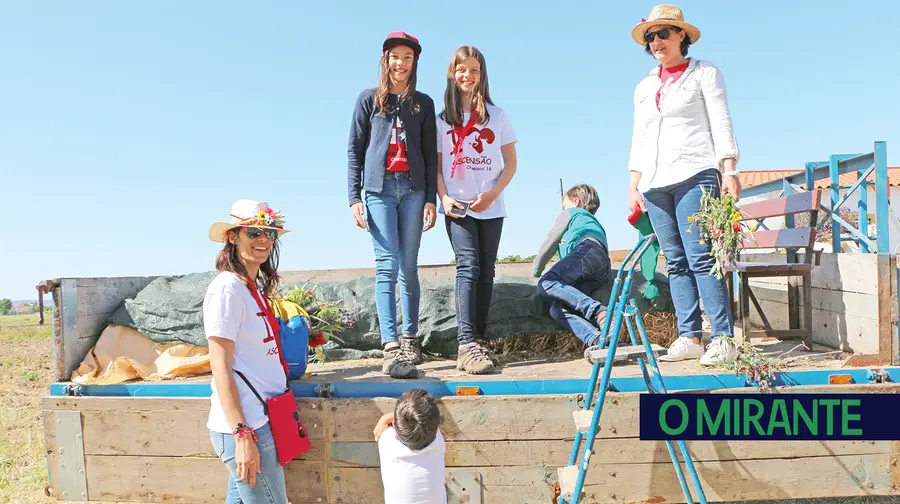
(184,479)
(778,207)
(138,426)
(774,479)
(778,238)
(520,485)
(482,418)
(623,450)
(86,304)
(133,404)
(895,312)
(841,476)
(151,434)
(885,305)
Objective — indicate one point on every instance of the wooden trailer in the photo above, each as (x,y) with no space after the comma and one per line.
(507,433)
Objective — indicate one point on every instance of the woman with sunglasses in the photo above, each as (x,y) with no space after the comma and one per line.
(241,340)
(683,144)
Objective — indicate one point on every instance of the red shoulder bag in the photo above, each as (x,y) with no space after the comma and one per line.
(284,415)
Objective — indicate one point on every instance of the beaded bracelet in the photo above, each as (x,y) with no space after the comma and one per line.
(241,432)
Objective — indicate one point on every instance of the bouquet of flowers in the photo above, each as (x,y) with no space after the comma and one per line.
(327,320)
(719,222)
(755,366)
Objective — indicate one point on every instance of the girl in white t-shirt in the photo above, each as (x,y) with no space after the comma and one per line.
(477,160)
(241,339)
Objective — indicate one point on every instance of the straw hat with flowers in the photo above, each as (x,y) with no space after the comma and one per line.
(664,15)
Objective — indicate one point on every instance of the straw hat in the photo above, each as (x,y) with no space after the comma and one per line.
(249,213)
(664,15)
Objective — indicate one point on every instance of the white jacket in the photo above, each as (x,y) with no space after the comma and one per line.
(690,133)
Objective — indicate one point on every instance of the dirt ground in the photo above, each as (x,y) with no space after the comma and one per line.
(25,353)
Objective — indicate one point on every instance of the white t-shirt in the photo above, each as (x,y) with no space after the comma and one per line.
(481,160)
(412,477)
(230,312)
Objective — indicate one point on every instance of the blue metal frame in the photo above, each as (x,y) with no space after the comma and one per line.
(862,164)
(488,388)
(625,310)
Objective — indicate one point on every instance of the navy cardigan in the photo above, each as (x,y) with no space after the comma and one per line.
(370,134)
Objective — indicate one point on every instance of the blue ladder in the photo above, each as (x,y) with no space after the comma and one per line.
(571,478)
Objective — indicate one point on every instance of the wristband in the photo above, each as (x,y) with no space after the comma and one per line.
(244,432)
(733,173)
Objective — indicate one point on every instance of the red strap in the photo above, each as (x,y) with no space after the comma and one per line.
(273,323)
(461,134)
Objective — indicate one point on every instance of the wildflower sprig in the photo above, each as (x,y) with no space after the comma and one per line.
(755,366)
(327,320)
(719,224)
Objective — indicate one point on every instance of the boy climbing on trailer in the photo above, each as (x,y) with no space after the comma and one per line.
(411,451)
(583,266)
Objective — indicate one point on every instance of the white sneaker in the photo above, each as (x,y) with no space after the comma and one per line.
(721,350)
(683,349)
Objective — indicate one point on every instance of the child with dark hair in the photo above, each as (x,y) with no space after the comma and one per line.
(411,450)
(584,265)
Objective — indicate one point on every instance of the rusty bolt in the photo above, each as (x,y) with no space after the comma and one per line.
(612,474)
(613,430)
(337,478)
(615,401)
(612,496)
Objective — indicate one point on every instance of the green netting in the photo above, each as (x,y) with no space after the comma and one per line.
(169,310)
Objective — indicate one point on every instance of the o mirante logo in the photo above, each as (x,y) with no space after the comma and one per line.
(771,417)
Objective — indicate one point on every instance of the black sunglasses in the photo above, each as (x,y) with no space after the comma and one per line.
(255,232)
(663,34)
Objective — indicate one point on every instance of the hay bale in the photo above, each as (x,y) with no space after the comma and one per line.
(661,329)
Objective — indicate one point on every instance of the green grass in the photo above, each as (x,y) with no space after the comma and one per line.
(25,374)
(17,320)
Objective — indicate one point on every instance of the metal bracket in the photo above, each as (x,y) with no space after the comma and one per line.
(325,391)
(72,477)
(73,390)
(464,487)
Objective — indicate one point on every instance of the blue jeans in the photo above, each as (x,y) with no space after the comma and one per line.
(475,243)
(570,283)
(270,486)
(689,262)
(395,217)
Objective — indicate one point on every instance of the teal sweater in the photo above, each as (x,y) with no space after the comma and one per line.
(572,227)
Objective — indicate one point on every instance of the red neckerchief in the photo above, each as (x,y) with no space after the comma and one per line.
(461,134)
(273,330)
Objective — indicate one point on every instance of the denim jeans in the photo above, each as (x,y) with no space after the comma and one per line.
(689,262)
(570,283)
(475,243)
(270,486)
(395,217)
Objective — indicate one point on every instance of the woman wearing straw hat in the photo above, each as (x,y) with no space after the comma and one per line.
(683,143)
(242,340)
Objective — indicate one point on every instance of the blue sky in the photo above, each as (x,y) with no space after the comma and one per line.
(128,127)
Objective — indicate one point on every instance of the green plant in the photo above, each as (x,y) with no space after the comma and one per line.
(719,224)
(327,320)
(755,366)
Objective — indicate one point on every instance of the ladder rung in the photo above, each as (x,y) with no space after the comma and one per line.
(568,477)
(623,353)
(583,419)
